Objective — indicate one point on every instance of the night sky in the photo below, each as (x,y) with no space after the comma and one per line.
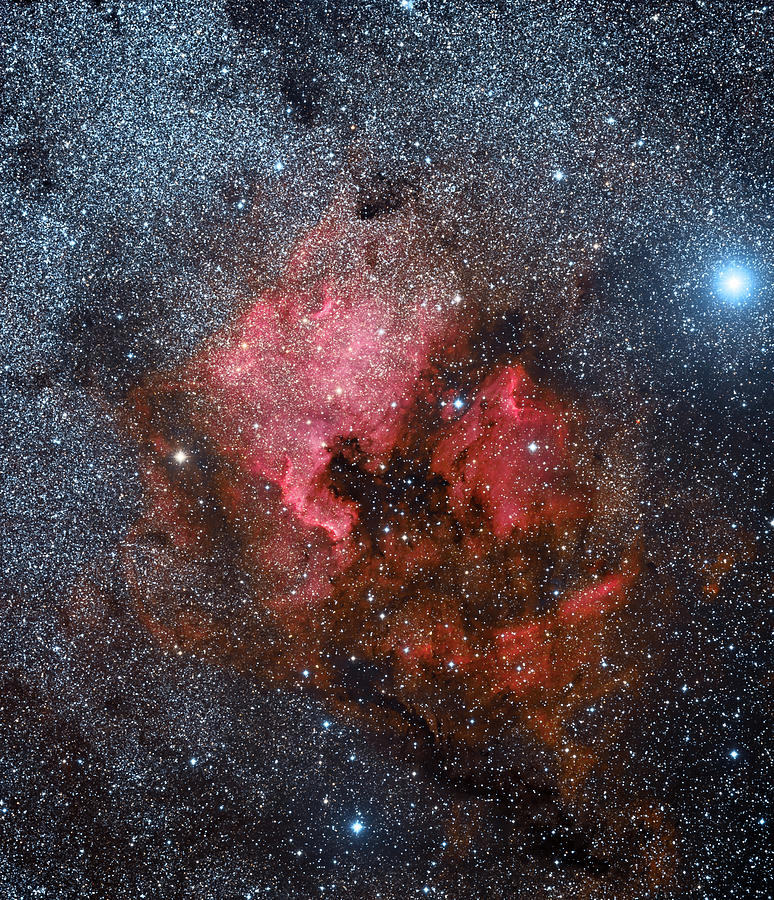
(387,476)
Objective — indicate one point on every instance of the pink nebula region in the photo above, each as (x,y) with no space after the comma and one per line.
(376,492)
(315,362)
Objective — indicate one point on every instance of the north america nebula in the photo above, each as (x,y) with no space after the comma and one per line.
(387,505)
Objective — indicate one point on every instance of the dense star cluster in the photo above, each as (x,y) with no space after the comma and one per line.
(387,402)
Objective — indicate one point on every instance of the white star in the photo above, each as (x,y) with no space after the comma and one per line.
(734,283)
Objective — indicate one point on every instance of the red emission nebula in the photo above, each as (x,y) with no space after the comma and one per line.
(343,493)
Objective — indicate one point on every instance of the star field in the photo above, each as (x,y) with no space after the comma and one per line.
(386,402)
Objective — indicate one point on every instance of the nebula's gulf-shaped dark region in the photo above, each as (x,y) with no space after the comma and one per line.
(387,407)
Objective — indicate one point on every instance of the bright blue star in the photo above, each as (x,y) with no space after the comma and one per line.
(357,827)
(734,283)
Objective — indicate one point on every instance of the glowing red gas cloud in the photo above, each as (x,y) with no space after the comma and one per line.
(374,511)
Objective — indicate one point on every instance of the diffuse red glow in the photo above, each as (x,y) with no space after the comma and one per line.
(371,517)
